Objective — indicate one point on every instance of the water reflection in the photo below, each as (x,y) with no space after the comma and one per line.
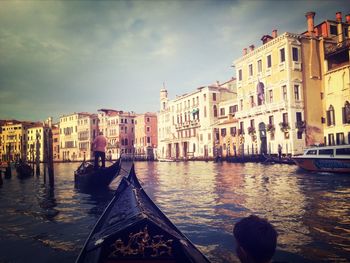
(310,211)
(205,200)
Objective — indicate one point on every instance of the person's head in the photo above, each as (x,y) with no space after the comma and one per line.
(256,239)
(100,133)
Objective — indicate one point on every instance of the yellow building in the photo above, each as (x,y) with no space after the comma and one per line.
(333,37)
(14,140)
(77,132)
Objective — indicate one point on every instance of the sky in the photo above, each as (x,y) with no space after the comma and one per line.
(61,57)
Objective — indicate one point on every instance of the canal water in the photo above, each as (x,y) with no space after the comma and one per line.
(311,212)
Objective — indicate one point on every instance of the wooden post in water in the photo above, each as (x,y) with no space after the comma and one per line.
(50,159)
(31,157)
(45,152)
(8,168)
(37,154)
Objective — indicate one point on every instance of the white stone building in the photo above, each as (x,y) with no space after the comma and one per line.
(186,124)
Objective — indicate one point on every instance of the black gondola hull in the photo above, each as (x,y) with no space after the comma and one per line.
(89,178)
(133,229)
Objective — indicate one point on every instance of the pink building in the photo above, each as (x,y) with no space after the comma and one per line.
(118,127)
(146,135)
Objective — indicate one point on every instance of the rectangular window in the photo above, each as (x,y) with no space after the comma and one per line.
(222,111)
(271,119)
(299,117)
(241,127)
(259,65)
(333,30)
(331,139)
(223,132)
(252,123)
(285,117)
(233,109)
(233,131)
(241,104)
(270,96)
(214,96)
(269,62)
(282,55)
(284,92)
(295,54)
(343,151)
(240,75)
(325,152)
(340,139)
(252,104)
(250,70)
(296,92)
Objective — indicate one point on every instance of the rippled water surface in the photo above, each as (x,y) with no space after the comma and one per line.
(311,212)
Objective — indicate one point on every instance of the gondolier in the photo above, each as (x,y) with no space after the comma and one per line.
(99,146)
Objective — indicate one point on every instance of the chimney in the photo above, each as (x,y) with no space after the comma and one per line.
(244,51)
(338,17)
(274,33)
(310,22)
(251,47)
(339,27)
(348,18)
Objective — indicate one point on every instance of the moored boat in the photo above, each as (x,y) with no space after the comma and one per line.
(133,229)
(334,159)
(24,170)
(88,177)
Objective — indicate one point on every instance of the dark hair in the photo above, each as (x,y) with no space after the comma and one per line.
(257,237)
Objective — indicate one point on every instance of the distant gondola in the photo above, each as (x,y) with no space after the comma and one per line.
(23,170)
(133,229)
(276,160)
(87,177)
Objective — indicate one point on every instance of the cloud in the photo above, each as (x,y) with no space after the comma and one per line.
(66,56)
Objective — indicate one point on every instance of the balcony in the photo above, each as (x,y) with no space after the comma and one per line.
(187,124)
(270,127)
(251,130)
(262,109)
(300,125)
(284,126)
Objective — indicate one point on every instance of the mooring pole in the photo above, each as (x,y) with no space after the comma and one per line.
(45,152)
(37,154)
(50,160)
(8,168)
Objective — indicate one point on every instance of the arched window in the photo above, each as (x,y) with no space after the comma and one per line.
(330,116)
(215,109)
(346,113)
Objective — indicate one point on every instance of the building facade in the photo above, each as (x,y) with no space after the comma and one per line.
(273,93)
(146,135)
(119,129)
(186,124)
(13,142)
(56,142)
(87,132)
(333,38)
(37,141)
